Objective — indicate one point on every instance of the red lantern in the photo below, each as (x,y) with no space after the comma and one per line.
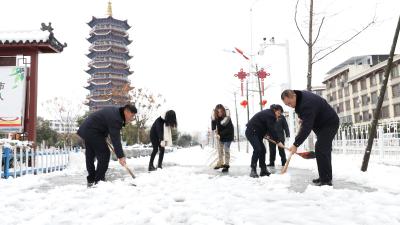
(263,102)
(243,103)
(262,75)
(241,75)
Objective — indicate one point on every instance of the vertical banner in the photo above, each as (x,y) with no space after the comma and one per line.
(12,98)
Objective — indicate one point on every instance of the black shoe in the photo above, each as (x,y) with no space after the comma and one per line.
(316,181)
(159,167)
(90,184)
(271,164)
(323,183)
(253,173)
(217,167)
(264,172)
(225,169)
(152,168)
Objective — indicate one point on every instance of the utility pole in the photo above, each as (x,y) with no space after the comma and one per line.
(237,124)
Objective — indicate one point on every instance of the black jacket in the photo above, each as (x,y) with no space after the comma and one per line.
(263,123)
(224,128)
(315,114)
(157,130)
(104,122)
(282,128)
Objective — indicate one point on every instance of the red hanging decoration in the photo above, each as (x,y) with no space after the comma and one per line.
(243,103)
(263,102)
(262,75)
(241,75)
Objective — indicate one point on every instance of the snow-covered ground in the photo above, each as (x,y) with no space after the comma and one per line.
(189,191)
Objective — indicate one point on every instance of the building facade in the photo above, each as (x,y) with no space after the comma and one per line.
(352,89)
(63,127)
(108,84)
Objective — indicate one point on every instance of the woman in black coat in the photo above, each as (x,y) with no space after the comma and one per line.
(161,136)
(221,122)
(281,128)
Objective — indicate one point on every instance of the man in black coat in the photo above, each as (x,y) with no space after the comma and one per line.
(316,115)
(281,128)
(94,131)
(260,125)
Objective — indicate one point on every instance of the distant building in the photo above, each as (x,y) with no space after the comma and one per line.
(109,84)
(319,90)
(63,127)
(352,88)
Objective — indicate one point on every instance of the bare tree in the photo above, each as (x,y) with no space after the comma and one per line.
(388,68)
(66,113)
(322,52)
(147,104)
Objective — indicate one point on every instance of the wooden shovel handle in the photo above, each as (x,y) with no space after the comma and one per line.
(284,169)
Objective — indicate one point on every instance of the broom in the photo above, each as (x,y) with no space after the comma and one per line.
(306,155)
(111,148)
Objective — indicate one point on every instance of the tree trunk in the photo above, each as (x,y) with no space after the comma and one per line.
(380,101)
(310,46)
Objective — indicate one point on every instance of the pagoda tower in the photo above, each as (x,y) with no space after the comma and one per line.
(108,84)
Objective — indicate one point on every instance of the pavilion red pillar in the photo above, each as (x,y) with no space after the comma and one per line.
(31,100)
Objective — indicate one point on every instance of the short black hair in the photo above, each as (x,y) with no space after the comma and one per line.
(131,108)
(287,93)
(276,107)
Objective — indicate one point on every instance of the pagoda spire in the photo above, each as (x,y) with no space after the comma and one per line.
(109,9)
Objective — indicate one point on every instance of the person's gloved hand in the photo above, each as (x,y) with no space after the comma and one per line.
(122,161)
(163,143)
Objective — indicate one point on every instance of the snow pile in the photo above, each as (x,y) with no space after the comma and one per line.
(188,191)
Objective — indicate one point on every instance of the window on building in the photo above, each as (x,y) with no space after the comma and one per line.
(372,80)
(396,109)
(347,103)
(347,91)
(340,107)
(332,83)
(380,76)
(374,97)
(357,117)
(366,116)
(354,86)
(328,97)
(334,96)
(340,93)
(396,90)
(395,71)
(356,102)
(363,83)
(365,100)
(385,112)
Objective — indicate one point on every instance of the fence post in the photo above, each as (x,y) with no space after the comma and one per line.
(381,142)
(1,160)
(15,162)
(7,162)
(21,159)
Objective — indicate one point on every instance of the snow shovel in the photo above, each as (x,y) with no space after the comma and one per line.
(126,167)
(304,155)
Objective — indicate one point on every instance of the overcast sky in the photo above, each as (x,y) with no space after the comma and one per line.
(178,46)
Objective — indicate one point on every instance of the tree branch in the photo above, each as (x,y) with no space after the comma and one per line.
(344,42)
(319,31)
(297,25)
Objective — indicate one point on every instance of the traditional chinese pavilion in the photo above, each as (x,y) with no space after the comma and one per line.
(109,84)
(21,48)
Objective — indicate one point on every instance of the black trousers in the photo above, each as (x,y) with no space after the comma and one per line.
(272,153)
(259,149)
(323,150)
(156,148)
(96,147)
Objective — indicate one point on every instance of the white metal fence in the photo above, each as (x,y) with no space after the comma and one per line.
(22,160)
(353,139)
